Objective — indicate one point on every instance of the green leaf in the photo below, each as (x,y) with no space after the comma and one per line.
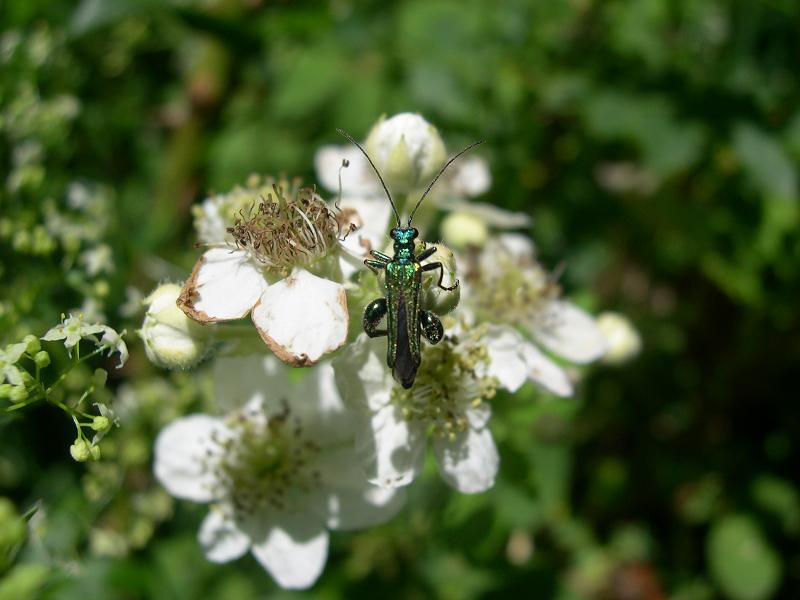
(742,562)
(765,162)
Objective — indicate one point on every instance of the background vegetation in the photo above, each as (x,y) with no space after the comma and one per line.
(654,142)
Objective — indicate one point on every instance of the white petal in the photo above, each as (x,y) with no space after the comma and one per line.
(546,373)
(346,500)
(221,539)
(390,449)
(472,176)
(570,332)
(469,464)
(371,217)
(184,451)
(357,178)
(294,551)
(241,380)
(517,245)
(362,376)
(302,317)
(318,404)
(478,416)
(489,214)
(224,285)
(507,360)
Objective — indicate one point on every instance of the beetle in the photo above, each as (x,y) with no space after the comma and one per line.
(406,320)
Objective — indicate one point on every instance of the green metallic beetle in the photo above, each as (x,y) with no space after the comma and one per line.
(406,320)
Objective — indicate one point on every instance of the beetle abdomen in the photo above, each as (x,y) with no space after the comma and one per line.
(405,367)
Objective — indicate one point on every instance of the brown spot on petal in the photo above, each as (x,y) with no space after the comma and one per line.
(282,353)
(188,296)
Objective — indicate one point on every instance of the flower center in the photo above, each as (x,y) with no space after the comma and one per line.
(448,385)
(286,231)
(265,461)
(511,292)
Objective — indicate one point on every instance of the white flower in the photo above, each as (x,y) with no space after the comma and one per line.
(98,259)
(171,339)
(280,471)
(113,342)
(506,286)
(266,271)
(72,330)
(9,357)
(446,401)
(624,342)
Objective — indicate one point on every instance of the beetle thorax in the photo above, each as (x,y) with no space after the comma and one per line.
(404,242)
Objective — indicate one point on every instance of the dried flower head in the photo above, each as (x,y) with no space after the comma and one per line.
(284,231)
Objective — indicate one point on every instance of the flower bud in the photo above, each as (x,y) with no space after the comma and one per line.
(435,298)
(623,341)
(171,339)
(32,344)
(462,229)
(42,359)
(19,393)
(5,390)
(27,379)
(407,150)
(94,452)
(80,450)
(99,378)
(101,423)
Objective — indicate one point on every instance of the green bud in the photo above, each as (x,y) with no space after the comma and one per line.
(94,451)
(27,378)
(435,298)
(463,229)
(101,423)
(19,393)
(33,344)
(101,288)
(99,378)
(80,450)
(5,390)
(42,359)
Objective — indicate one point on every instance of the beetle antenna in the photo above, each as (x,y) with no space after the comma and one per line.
(374,168)
(447,164)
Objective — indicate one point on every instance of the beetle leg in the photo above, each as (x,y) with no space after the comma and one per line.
(381,256)
(431,326)
(427,253)
(375,311)
(438,265)
(374,265)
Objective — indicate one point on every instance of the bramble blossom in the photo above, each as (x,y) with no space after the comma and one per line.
(278,262)
(504,285)
(447,404)
(279,470)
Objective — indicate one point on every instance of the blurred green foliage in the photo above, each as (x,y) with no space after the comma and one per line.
(656,145)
